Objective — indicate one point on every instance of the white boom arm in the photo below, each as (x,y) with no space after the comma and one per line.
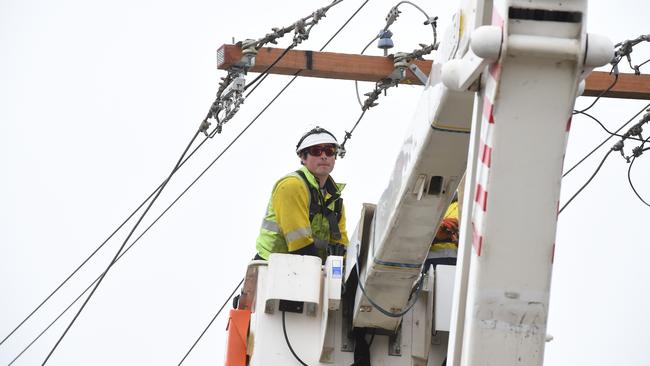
(519,142)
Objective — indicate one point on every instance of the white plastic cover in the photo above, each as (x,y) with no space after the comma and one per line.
(294,277)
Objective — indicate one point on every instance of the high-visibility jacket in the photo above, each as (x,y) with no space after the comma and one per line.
(446,248)
(287,226)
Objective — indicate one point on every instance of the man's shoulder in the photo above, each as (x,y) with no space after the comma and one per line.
(290,181)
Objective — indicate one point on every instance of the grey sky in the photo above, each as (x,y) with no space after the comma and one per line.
(97,101)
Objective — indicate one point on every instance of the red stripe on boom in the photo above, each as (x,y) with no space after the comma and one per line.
(486,154)
(481,197)
(477,241)
(488,110)
(495,70)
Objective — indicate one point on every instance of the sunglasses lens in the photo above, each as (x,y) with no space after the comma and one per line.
(318,150)
(329,151)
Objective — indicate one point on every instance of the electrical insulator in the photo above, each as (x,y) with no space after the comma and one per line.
(385,42)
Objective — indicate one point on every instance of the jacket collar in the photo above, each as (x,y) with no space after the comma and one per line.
(331,186)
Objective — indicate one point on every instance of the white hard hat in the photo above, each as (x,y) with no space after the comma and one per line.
(316,136)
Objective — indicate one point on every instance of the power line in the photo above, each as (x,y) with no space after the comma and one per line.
(636,68)
(605,141)
(629,179)
(153,200)
(55,319)
(348,135)
(96,250)
(268,68)
(605,128)
(632,131)
(601,93)
(622,49)
(588,181)
(211,321)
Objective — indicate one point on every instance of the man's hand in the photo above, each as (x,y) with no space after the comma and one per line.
(448,230)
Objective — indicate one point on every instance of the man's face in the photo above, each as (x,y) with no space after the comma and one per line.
(317,161)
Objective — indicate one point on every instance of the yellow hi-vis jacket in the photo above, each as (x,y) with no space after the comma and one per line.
(446,249)
(286,226)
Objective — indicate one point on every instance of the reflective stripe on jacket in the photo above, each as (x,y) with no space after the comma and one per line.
(286,226)
(446,249)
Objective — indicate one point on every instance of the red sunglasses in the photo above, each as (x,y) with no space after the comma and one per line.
(318,150)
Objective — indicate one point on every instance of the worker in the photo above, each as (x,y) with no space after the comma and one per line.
(305,214)
(444,248)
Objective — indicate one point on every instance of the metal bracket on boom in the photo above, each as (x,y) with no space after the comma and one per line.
(394,342)
(418,73)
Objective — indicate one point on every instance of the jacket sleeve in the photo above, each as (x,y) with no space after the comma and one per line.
(290,200)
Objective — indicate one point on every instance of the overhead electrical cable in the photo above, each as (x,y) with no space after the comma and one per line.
(356,83)
(605,141)
(635,130)
(212,321)
(54,321)
(96,250)
(636,68)
(348,135)
(268,68)
(629,179)
(588,181)
(600,95)
(605,128)
(265,73)
(622,49)
(153,200)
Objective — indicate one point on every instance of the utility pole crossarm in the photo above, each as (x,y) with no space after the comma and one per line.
(344,66)
(328,65)
(628,86)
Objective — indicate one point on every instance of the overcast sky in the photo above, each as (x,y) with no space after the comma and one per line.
(98,100)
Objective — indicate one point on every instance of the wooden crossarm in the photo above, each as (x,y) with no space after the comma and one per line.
(328,65)
(344,66)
